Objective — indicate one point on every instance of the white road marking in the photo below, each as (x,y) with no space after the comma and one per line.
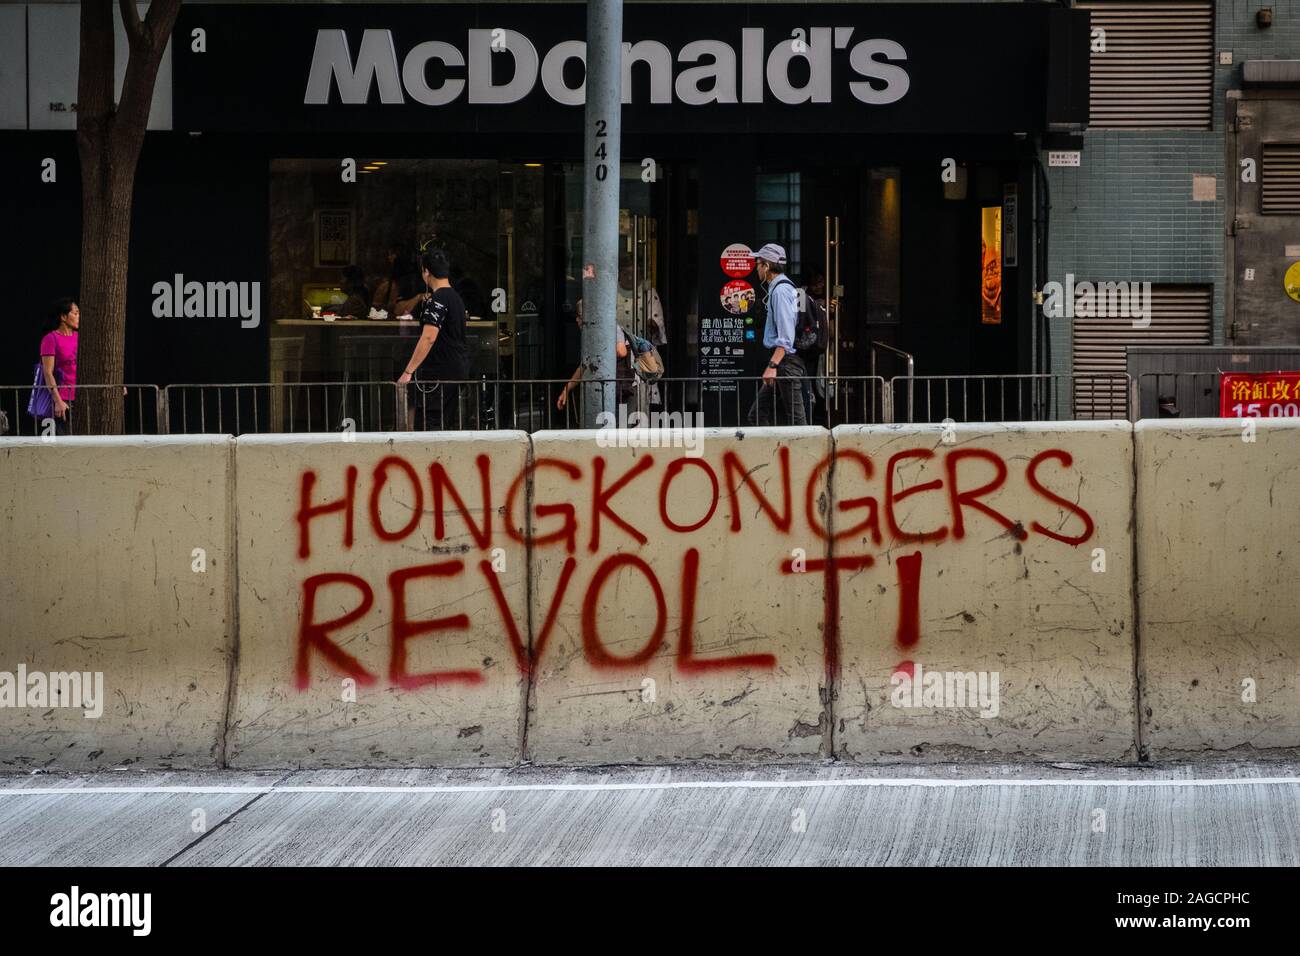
(666,785)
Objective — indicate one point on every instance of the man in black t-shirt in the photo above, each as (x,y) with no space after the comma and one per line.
(440,360)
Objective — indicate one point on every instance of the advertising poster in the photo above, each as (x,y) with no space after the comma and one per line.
(727,329)
(991,266)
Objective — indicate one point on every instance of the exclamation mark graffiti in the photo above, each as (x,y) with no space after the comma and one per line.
(909,606)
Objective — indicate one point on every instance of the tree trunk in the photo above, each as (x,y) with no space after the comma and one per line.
(109,139)
(108,181)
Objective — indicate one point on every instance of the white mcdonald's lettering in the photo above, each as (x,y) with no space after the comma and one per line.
(709,71)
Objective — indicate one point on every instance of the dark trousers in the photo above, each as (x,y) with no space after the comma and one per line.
(439,407)
(781,402)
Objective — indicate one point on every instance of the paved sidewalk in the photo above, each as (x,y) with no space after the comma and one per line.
(1206,815)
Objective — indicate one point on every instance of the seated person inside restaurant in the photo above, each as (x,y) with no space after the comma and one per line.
(353,285)
(402,285)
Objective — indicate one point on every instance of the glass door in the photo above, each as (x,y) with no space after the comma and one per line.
(642,274)
(520,271)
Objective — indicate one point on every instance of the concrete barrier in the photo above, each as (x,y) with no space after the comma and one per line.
(664,625)
(979,551)
(371,620)
(1217,524)
(115,566)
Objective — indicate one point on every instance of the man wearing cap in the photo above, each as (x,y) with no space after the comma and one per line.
(780,398)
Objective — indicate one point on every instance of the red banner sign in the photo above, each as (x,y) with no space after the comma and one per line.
(1262,395)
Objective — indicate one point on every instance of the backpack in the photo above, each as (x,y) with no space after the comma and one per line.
(646,361)
(811,330)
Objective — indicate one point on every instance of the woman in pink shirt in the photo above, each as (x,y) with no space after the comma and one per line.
(59,352)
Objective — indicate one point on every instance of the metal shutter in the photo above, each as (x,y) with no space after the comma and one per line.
(1158,68)
(1280,179)
(1180,315)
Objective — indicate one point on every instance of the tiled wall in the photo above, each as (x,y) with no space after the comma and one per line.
(1127,212)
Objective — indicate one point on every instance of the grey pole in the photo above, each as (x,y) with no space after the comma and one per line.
(600,205)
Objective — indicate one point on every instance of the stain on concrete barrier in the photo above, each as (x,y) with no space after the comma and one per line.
(985,590)
(372,576)
(1217,526)
(668,624)
(115,598)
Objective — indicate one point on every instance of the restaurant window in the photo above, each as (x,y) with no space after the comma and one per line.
(344,263)
(882,245)
(642,280)
(778,215)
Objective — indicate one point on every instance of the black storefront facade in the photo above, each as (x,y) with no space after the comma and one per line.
(910,132)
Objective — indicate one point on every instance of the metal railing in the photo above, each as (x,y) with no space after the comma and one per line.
(1176,395)
(885,347)
(1027,397)
(907,357)
(535,405)
(251,408)
(529,405)
(141,410)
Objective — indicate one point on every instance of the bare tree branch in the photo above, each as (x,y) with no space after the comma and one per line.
(142,65)
(95,71)
(160,21)
(131,20)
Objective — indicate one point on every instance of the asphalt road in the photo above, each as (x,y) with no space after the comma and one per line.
(1196,815)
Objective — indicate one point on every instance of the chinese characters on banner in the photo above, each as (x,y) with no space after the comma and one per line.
(722,348)
(737,260)
(1263,395)
(724,335)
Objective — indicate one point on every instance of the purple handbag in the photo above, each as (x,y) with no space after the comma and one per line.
(41,404)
